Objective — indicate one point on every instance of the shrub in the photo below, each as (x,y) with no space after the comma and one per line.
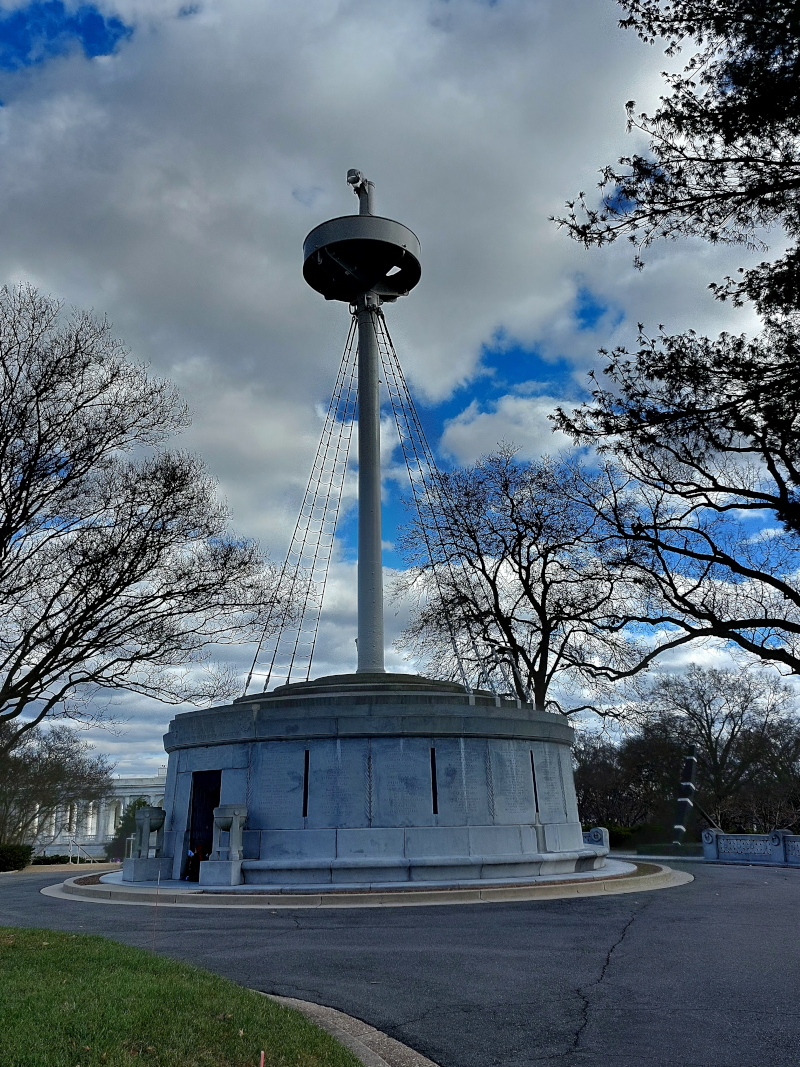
(46,861)
(620,836)
(14,857)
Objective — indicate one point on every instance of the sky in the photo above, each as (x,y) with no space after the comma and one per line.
(161,163)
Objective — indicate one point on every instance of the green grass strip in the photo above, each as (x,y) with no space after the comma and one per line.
(69,1000)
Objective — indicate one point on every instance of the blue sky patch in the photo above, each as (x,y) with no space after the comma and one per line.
(511,367)
(590,309)
(505,367)
(33,34)
(619,202)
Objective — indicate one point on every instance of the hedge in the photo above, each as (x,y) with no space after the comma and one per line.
(15,857)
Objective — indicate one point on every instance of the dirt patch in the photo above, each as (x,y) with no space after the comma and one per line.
(89,879)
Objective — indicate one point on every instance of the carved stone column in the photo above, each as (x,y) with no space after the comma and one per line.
(225,865)
(142,867)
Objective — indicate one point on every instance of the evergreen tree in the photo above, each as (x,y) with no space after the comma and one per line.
(704,433)
(723,159)
(115,849)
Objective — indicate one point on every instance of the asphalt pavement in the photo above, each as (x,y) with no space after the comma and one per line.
(703,975)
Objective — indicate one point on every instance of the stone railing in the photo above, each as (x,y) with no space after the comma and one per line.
(598,835)
(778,848)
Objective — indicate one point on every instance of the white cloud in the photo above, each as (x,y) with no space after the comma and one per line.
(171,186)
(136,743)
(515,420)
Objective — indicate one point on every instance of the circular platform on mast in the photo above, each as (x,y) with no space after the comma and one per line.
(355,254)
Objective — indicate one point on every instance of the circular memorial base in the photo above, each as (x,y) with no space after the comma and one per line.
(617,878)
(367,780)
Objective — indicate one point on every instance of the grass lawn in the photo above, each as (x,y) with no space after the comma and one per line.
(69,1000)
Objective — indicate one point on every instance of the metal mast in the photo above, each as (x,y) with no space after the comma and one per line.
(366,260)
(370,552)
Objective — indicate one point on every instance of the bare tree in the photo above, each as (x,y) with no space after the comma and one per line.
(516,585)
(691,483)
(723,158)
(706,430)
(740,722)
(745,727)
(117,570)
(615,783)
(47,770)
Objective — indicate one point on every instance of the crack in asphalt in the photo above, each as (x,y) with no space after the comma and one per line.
(584,991)
(493,986)
(299,992)
(392,1029)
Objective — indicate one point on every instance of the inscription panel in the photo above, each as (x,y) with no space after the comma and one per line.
(401,782)
(549,781)
(337,783)
(276,786)
(451,780)
(568,782)
(474,763)
(513,782)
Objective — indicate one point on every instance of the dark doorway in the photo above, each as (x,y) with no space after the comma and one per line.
(205,797)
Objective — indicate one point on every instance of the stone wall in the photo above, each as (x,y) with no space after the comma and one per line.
(780,848)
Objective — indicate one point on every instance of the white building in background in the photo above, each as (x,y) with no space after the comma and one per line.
(89,827)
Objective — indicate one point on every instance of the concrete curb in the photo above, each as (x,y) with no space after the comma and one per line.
(647,876)
(629,857)
(371,1046)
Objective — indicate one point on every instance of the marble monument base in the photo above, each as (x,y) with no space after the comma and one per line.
(221,872)
(147,870)
(386,778)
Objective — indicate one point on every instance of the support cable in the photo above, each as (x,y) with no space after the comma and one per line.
(290,632)
(431,488)
(399,399)
(289,636)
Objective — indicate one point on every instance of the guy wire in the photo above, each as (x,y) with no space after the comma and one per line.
(281,602)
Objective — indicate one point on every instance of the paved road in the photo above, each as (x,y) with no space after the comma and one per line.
(704,975)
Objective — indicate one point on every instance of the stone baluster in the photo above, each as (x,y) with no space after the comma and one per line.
(225,865)
(142,867)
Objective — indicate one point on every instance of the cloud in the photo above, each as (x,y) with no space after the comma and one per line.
(515,420)
(170,183)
